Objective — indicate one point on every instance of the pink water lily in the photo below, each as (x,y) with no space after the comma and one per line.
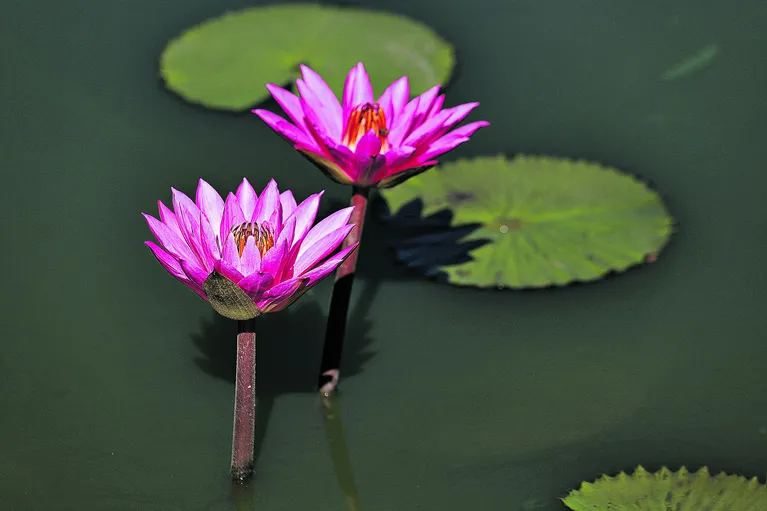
(251,253)
(366,142)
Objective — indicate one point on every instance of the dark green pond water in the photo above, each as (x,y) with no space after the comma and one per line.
(116,383)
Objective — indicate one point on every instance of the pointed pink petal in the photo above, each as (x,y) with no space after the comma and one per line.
(439,124)
(288,203)
(210,203)
(403,124)
(230,255)
(256,285)
(318,251)
(323,102)
(323,270)
(332,223)
(436,107)
(274,258)
(357,90)
(305,214)
(266,205)
(170,239)
(394,99)
(286,236)
(247,198)
(167,261)
(425,103)
(285,129)
(452,140)
(396,160)
(188,216)
(168,217)
(208,240)
(226,269)
(250,262)
(195,274)
(232,216)
(282,295)
(289,104)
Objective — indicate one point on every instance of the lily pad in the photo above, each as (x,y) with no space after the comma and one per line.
(664,489)
(224,62)
(549,221)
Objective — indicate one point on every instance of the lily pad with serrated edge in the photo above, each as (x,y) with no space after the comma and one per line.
(549,221)
(224,62)
(667,490)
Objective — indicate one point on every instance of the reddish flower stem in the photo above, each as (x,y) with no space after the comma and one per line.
(244,428)
(339,302)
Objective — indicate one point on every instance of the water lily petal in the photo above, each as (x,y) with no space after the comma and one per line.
(357,90)
(256,285)
(403,124)
(324,93)
(169,262)
(195,274)
(439,124)
(425,103)
(267,203)
(369,145)
(329,224)
(250,262)
(318,251)
(210,203)
(287,130)
(231,254)
(288,203)
(170,239)
(232,216)
(323,102)
(228,270)
(305,214)
(167,216)
(452,140)
(394,99)
(282,295)
(289,104)
(246,195)
(286,236)
(274,258)
(321,271)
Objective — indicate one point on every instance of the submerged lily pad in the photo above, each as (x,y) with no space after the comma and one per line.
(225,62)
(549,221)
(667,490)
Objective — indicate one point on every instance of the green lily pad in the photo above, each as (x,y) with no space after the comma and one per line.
(549,221)
(224,62)
(667,490)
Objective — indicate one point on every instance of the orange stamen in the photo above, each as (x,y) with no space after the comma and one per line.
(362,119)
(263,234)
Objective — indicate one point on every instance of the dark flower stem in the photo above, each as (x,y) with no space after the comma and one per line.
(244,401)
(339,302)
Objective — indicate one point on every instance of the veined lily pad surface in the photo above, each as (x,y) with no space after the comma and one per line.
(225,62)
(667,490)
(549,221)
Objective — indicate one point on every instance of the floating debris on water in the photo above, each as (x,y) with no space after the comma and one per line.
(692,64)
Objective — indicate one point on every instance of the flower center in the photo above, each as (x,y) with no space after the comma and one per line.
(263,234)
(362,119)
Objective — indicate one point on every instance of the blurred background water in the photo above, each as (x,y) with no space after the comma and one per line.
(116,383)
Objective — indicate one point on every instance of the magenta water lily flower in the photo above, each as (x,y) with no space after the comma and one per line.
(252,253)
(366,142)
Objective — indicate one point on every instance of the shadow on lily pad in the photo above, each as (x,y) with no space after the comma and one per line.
(426,244)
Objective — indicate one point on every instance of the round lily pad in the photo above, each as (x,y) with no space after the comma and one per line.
(667,490)
(224,62)
(546,221)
